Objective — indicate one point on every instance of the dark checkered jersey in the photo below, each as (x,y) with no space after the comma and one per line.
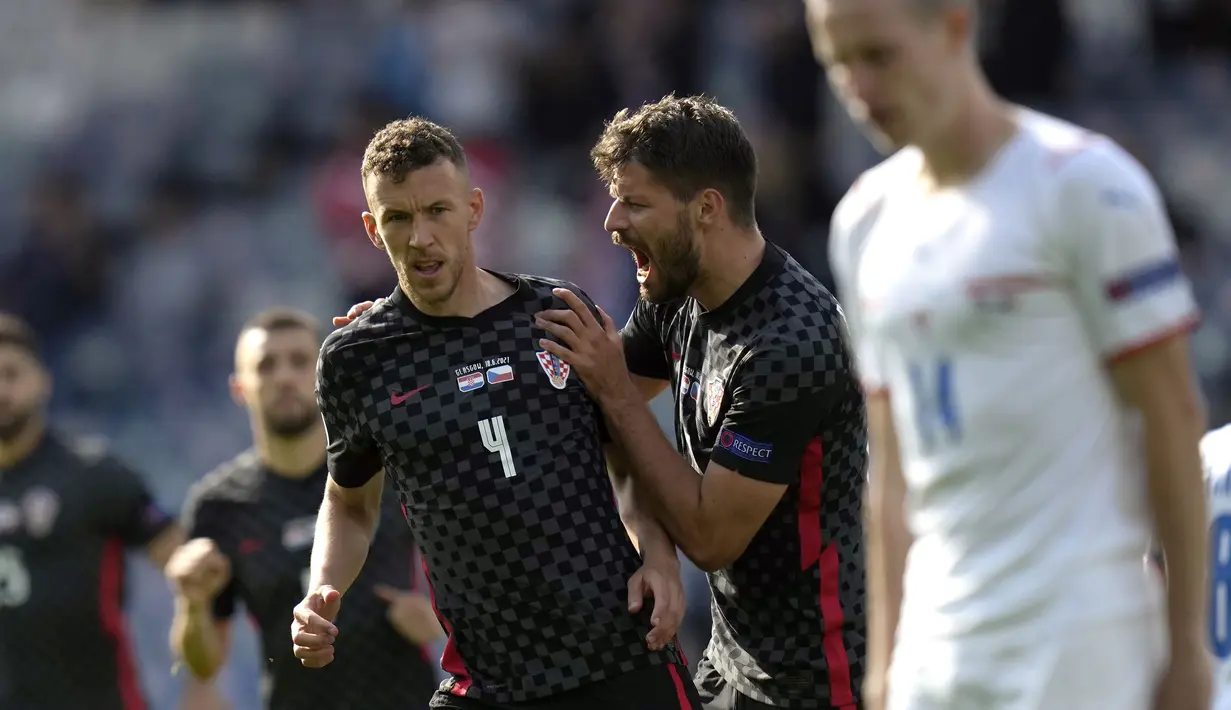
(264,524)
(68,512)
(495,449)
(764,386)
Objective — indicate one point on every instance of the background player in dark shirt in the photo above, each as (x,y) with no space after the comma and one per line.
(766,407)
(252,521)
(68,510)
(497,457)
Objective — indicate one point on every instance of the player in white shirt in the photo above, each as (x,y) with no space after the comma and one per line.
(1216,458)
(1013,293)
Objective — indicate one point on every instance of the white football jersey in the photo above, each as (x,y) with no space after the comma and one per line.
(989,313)
(1216,460)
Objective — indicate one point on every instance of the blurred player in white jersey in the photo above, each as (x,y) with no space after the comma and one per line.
(1012,289)
(1216,458)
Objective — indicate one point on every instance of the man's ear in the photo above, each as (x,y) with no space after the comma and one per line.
(709,205)
(369,226)
(476,208)
(237,391)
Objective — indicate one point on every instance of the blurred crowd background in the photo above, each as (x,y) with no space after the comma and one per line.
(169,167)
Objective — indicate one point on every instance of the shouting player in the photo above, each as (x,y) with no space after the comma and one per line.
(767,407)
(252,522)
(496,452)
(67,512)
(1013,292)
(1216,460)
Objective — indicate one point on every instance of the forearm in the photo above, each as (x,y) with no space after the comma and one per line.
(889,541)
(1175,488)
(202,695)
(664,480)
(647,533)
(340,548)
(196,640)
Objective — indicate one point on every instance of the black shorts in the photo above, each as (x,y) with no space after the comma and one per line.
(655,688)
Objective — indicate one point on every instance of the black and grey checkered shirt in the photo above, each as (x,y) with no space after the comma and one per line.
(263,523)
(495,449)
(764,386)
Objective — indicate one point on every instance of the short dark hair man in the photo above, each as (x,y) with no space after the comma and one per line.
(68,510)
(767,407)
(251,522)
(497,455)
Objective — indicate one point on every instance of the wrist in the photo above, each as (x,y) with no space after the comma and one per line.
(193,606)
(662,556)
(618,395)
(1187,638)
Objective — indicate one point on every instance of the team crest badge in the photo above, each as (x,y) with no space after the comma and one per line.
(40,507)
(557,370)
(713,400)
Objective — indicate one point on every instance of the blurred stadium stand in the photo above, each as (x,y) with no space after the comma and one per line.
(168,167)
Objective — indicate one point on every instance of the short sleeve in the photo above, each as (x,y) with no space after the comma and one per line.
(129,512)
(645,349)
(1120,252)
(202,517)
(775,415)
(843,262)
(353,457)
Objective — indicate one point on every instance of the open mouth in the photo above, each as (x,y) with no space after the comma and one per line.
(427,268)
(643,264)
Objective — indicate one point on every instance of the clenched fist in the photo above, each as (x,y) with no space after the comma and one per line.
(313,631)
(198,570)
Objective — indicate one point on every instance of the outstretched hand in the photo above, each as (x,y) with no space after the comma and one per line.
(354,312)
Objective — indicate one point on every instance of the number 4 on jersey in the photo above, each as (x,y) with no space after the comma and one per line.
(935,403)
(496,440)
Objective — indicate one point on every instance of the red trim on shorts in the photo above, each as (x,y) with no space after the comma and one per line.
(680,693)
(450,661)
(111,616)
(813,550)
(1187,325)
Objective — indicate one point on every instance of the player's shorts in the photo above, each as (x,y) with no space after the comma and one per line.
(1089,667)
(656,688)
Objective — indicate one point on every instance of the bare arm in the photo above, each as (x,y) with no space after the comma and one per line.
(635,510)
(200,577)
(344,530)
(202,695)
(199,639)
(649,387)
(159,550)
(888,537)
(1157,382)
(647,533)
(712,517)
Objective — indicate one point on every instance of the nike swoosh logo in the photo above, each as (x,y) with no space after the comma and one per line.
(397,399)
